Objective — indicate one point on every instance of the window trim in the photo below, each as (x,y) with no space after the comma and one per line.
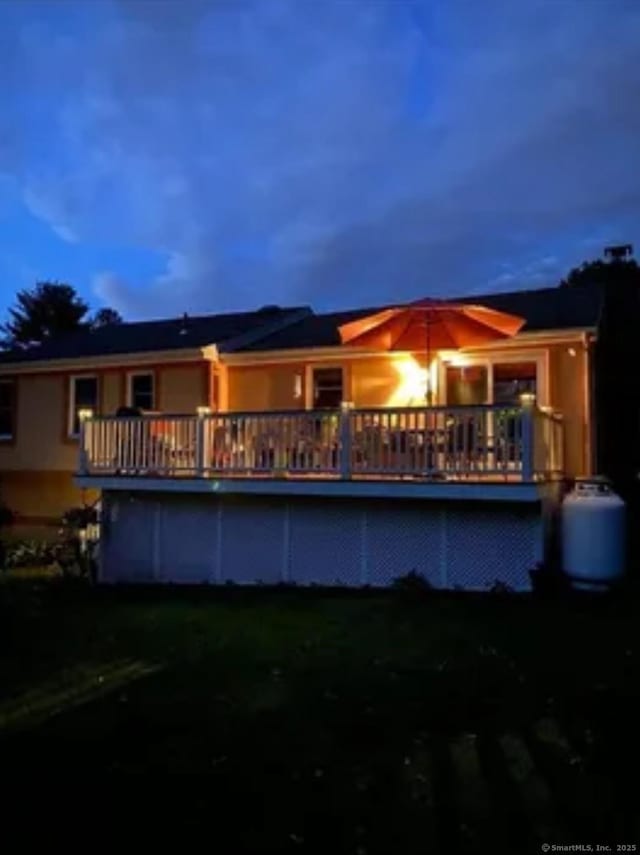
(71,400)
(309,384)
(5,438)
(154,388)
(540,357)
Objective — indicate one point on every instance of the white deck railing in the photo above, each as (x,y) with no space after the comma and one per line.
(450,442)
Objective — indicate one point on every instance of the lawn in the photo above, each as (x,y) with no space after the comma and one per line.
(329,722)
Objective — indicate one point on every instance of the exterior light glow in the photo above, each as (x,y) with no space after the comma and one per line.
(203,411)
(84,414)
(412,386)
(527,399)
(571,351)
(297,386)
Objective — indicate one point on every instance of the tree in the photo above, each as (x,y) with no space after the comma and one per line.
(610,273)
(48,310)
(105,317)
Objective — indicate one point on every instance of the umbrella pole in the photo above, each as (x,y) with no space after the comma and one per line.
(428,390)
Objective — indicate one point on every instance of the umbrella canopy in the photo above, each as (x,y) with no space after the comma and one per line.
(429,325)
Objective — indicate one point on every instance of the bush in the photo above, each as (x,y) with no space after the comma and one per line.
(29,553)
(548,580)
(80,518)
(412,583)
(500,588)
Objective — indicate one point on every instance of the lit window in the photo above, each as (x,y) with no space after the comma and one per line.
(467,385)
(512,379)
(141,391)
(83,396)
(7,409)
(327,388)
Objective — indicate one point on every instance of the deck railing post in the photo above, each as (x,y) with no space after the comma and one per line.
(83,462)
(528,443)
(345,439)
(201,452)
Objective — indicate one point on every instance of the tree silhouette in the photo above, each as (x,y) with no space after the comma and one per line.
(610,273)
(48,310)
(105,317)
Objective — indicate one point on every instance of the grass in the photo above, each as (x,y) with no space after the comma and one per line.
(328,722)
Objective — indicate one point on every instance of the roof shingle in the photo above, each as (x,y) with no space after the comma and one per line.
(543,309)
(172,334)
(275,328)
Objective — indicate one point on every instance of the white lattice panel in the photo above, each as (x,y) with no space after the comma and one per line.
(177,538)
(127,539)
(403,537)
(325,542)
(186,540)
(252,548)
(489,545)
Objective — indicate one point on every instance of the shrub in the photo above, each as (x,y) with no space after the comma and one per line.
(412,583)
(29,553)
(80,518)
(500,588)
(76,552)
(548,580)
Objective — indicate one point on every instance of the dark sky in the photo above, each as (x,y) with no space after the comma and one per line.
(207,156)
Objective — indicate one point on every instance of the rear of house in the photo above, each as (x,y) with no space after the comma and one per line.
(264,421)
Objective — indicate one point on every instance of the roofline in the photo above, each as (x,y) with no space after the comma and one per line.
(295,354)
(211,353)
(555,336)
(286,318)
(111,360)
(331,352)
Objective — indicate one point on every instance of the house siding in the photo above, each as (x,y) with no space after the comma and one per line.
(374,381)
(36,468)
(368,382)
(182,388)
(567,395)
(112,391)
(265,387)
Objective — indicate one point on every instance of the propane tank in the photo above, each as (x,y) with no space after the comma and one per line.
(593,535)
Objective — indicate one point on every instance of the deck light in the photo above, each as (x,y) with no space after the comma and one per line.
(203,411)
(345,406)
(85,413)
(527,399)
(571,351)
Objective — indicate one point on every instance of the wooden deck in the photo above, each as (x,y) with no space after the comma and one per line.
(479,443)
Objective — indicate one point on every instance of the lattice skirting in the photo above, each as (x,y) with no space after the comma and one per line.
(181,538)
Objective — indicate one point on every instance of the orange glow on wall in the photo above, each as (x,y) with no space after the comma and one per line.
(411,390)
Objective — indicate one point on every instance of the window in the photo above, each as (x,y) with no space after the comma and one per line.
(496,381)
(7,409)
(141,391)
(512,379)
(467,385)
(84,396)
(327,388)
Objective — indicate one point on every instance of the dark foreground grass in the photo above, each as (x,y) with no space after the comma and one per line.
(325,722)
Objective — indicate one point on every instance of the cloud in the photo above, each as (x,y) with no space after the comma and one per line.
(49,206)
(362,150)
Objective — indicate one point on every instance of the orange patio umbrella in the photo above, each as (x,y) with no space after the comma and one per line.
(429,325)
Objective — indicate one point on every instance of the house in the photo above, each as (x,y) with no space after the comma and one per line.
(268,450)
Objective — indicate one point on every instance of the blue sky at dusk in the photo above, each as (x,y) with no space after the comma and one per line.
(211,156)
